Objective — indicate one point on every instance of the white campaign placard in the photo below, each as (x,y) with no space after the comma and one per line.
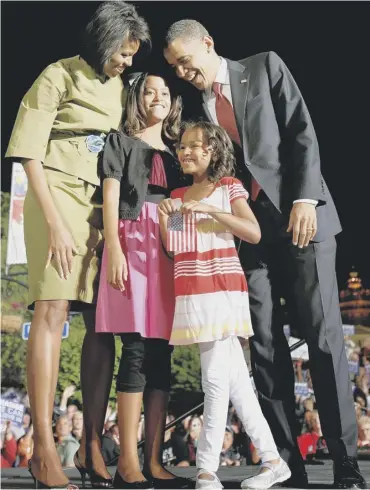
(16,250)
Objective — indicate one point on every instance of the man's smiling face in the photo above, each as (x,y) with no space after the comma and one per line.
(193,61)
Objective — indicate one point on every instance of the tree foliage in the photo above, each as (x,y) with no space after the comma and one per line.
(186,379)
(186,368)
(13,361)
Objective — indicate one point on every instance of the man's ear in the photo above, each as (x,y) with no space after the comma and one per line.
(208,41)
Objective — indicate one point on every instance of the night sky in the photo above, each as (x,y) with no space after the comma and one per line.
(325,45)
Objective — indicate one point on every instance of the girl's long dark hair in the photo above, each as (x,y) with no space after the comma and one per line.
(134,120)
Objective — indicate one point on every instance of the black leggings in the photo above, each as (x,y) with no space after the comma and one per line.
(144,363)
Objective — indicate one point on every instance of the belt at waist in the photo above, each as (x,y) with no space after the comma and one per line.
(61,135)
(94,140)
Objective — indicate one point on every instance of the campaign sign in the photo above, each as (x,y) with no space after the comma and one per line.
(301,389)
(353,367)
(348,330)
(27,326)
(12,411)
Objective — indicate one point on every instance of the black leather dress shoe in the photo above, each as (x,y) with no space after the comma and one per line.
(176,482)
(347,474)
(298,479)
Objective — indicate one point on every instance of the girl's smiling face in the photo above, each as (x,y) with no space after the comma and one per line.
(156,100)
(194,152)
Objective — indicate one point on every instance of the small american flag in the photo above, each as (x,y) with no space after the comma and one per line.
(181,233)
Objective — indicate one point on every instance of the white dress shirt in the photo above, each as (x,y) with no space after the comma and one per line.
(223,77)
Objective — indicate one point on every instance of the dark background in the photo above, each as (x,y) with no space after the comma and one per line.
(324,44)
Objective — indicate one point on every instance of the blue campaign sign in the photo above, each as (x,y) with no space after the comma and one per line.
(348,330)
(353,367)
(27,326)
(12,411)
(301,389)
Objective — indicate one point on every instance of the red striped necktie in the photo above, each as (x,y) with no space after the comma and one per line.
(226,119)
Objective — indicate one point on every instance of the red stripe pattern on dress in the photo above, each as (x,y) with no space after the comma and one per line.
(237,191)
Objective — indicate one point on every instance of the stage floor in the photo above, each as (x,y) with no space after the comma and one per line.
(320,476)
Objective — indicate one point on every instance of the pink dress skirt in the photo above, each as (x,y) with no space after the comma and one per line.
(147,304)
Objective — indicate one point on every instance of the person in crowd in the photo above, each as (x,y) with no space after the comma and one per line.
(110,445)
(66,405)
(8,447)
(77,425)
(174,451)
(242,442)
(364,432)
(257,101)
(137,171)
(192,437)
(27,420)
(25,448)
(212,306)
(66,445)
(311,443)
(229,455)
(308,406)
(58,133)
(183,427)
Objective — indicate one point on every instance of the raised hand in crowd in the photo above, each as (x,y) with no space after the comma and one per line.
(67,393)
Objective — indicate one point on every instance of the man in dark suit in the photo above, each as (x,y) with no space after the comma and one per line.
(259,104)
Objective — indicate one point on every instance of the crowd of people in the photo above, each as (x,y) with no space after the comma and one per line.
(180,441)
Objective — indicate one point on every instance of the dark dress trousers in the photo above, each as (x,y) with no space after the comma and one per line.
(280,150)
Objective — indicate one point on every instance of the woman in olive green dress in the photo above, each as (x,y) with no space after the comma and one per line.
(58,133)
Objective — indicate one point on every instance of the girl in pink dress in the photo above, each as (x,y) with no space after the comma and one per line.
(136,297)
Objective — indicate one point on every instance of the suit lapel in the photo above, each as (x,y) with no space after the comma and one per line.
(239,84)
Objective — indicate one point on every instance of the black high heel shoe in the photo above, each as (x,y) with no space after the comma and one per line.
(119,482)
(97,481)
(170,483)
(38,484)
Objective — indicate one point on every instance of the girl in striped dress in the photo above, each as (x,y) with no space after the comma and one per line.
(198,224)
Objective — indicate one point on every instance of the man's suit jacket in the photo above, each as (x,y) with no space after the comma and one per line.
(279,144)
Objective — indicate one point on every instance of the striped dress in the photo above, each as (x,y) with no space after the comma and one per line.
(210,287)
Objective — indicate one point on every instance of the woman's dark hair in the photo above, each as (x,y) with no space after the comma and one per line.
(113,22)
(223,160)
(135,117)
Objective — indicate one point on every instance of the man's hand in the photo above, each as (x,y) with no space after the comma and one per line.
(303,223)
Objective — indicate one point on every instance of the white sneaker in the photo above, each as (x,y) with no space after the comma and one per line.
(277,473)
(201,483)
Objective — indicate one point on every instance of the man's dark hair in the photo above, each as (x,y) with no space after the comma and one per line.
(186,29)
(113,22)
(223,159)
